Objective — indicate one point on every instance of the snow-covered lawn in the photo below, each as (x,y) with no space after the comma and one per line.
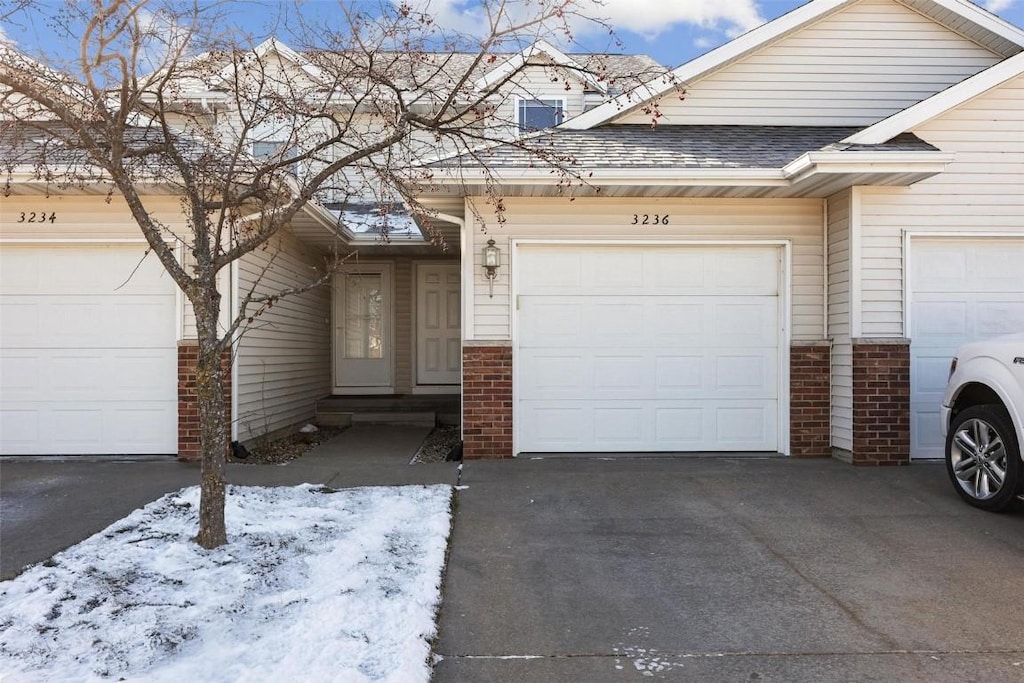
(314,585)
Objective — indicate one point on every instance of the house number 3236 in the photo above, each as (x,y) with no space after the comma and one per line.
(650,219)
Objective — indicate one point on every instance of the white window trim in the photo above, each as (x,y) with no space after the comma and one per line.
(519,99)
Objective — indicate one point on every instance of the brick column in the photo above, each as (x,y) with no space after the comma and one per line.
(188,403)
(486,400)
(881,402)
(810,399)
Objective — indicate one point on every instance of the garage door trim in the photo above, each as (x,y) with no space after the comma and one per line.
(785,312)
(71,242)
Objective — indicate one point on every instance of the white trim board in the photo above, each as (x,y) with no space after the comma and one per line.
(936,105)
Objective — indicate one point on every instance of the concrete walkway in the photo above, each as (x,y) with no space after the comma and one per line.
(711,569)
(48,504)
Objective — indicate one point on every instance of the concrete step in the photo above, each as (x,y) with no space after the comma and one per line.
(439,403)
(446,419)
(409,419)
(333,419)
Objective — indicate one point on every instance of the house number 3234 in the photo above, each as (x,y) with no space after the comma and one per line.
(33,217)
(650,219)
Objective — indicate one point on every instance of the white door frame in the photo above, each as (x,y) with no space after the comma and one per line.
(387,269)
(785,247)
(908,240)
(418,388)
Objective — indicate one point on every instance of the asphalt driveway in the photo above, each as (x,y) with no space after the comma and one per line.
(705,569)
(712,569)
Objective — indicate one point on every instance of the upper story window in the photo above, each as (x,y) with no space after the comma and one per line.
(274,150)
(539,114)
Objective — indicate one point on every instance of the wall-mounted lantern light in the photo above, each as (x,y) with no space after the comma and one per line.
(492,259)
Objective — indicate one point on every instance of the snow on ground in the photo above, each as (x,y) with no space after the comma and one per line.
(313,585)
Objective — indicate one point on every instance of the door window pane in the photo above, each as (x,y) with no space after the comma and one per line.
(364,316)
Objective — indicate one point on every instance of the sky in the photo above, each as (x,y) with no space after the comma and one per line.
(670,31)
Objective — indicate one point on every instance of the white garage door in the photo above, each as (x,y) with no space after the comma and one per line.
(960,291)
(658,348)
(88,360)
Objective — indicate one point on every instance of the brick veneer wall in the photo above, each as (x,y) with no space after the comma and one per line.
(487,401)
(189,447)
(809,400)
(881,402)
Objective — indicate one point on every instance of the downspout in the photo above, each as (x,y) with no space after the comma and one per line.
(461,222)
(824,267)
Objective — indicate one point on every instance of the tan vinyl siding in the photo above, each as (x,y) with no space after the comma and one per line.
(839,319)
(798,220)
(853,67)
(82,217)
(981,191)
(283,358)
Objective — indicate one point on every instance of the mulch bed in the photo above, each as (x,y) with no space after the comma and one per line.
(287,448)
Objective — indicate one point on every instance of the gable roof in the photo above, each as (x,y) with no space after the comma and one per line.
(541,47)
(1007,36)
(938,104)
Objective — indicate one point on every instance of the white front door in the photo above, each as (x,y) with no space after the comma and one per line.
(961,290)
(362,328)
(647,348)
(438,330)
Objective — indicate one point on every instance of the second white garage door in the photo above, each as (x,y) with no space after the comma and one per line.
(647,348)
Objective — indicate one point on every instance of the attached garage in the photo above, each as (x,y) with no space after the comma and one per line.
(648,348)
(88,355)
(960,290)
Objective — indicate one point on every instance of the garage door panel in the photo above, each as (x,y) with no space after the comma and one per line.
(95,270)
(87,375)
(646,426)
(649,374)
(655,321)
(114,428)
(961,290)
(615,271)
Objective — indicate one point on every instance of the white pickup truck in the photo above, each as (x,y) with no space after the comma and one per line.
(983,422)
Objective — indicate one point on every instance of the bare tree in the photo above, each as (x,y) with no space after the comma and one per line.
(156,93)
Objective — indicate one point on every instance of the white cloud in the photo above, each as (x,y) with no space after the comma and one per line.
(997,5)
(6,39)
(653,17)
(648,18)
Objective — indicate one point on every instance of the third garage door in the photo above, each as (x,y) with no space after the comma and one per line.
(961,290)
(647,348)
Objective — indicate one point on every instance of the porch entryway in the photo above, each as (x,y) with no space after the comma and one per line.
(397,328)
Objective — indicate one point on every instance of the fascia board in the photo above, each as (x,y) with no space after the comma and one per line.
(669,176)
(837,163)
(262,50)
(519,60)
(984,19)
(936,105)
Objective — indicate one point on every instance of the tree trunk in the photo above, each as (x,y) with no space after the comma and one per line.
(213,423)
